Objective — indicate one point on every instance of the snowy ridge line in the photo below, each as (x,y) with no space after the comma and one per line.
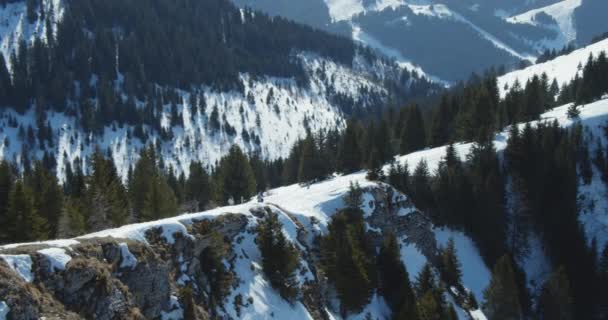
(563,68)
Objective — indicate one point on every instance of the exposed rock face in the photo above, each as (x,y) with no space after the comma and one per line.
(414,225)
(109,278)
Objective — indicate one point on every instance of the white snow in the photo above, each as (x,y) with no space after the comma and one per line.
(21,264)
(176,313)
(340,10)
(563,13)
(413,259)
(4,310)
(57,257)
(15,27)
(49,243)
(128,259)
(475,274)
(563,68)
(478,315)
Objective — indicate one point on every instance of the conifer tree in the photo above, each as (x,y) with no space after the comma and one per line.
(393,282)
(48,196)
(348,260)
(279,257)
(501,296)
(198,185)
(235,179)
(25,224)
(555,300)
(451,268)
(6,184)
(349,153)
(413,136)
(420,189)
(160,201)
(428,307)
(354,197)
(310,166)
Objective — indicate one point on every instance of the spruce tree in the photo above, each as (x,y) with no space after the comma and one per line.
(501,296)
(555,300)
(348,260)
(413,135)
(349,153)
(198,185)
(25,224)
(451,268)
(393,282)
(235,179)
(279,257)
(6,184)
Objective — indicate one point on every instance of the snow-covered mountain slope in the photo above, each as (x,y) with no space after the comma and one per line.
(262,114)
(268,117)
(563,68)
(563,22)
(16,27)
(304,212)
(593,212)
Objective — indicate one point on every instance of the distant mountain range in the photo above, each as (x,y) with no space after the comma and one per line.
(450,39)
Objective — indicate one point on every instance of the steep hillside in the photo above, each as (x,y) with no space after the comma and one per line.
(149,75)
(55,278)
(58,278)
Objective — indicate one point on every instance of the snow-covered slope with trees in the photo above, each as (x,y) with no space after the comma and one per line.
(304,212)
(563,68)
(262,114)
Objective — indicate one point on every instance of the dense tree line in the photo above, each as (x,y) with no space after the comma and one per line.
(34,205)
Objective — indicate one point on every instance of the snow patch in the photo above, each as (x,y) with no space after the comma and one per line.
(176,313)
(475,275)
(21,264)
(57,257)
(128,259)
(413,259)
(4,310)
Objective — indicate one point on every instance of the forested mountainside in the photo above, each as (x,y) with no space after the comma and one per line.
(509,223)
(416,32)
(511,229)
(190,77)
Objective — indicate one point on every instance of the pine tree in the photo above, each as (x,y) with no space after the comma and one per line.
(413,136)
(347,259)
(349,153)
(428,307)
(279,257)
(25,224)
(198,185)
(420,189)
(160,201)
(451,268)
(555,301)
(6,184)
(573,111)
(501,296)
(235,179)
(440,125)
(394,283)
(310,166)
(354,197)
(48,196)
